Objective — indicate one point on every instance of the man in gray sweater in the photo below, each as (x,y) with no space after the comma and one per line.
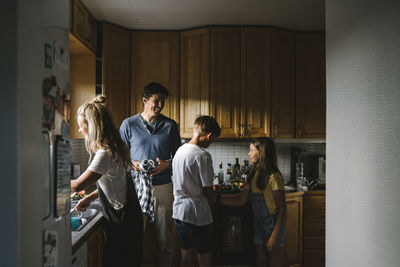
(151,135)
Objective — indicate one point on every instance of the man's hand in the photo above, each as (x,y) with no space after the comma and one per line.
(162,166)
(135,164)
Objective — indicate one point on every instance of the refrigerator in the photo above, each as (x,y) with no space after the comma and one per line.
(56,148)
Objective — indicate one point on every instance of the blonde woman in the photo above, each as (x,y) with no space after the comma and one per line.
(266,191)
(109,165)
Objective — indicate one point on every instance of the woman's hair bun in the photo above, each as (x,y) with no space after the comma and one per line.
(99,99)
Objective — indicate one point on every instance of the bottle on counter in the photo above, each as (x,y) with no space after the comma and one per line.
(220,174)
(236,169)
(228,176)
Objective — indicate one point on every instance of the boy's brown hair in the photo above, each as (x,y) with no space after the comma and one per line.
(207,124)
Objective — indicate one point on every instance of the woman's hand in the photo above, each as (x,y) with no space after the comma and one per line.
(272,242)
(83,204)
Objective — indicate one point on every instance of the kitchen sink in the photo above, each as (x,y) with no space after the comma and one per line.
(80,218)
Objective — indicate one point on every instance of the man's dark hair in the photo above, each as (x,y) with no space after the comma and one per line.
(207,124)
(154,88)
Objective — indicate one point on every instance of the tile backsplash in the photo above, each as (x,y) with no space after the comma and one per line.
(223,151)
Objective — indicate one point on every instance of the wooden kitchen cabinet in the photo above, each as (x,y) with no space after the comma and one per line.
(194,78)
(225,79)
(95,248)
(310,85)
(226,73)
(314,229)
(255,82)
(283,84)
(83,25)
(82,80)
(294,229)
(155,58)
(116,71)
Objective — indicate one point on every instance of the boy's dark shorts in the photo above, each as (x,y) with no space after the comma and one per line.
(192,236)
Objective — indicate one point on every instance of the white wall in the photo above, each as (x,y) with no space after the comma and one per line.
(363,131)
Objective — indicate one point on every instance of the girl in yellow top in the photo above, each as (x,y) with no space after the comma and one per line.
(266,191)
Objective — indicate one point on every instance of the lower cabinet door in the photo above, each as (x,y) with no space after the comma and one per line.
(314,258)
(294,237)
(95,248)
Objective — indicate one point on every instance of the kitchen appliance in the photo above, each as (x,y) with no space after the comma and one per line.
(56,148)
(321,170)
(318,168)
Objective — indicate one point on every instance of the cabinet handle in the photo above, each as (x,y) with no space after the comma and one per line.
(245,126)
(299,130)
(276,129)
(238,130)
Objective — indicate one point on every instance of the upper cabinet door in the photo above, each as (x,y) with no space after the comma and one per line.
(283,84)
(195,88)
(225,79)
(84,25)
(256,81)
(310,85)
(116,71)
(155,58)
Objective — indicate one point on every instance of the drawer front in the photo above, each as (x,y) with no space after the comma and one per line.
(314,202)
(314,243)
(314,216)
(314,259)
(314,229)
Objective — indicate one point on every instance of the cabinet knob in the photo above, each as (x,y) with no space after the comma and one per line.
(299,131)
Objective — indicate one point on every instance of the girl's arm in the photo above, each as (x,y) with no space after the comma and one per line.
(237,200)
(279,196)
(87,178)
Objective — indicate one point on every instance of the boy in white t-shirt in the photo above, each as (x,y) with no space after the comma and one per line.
(192,180)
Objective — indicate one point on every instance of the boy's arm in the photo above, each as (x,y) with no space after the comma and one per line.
(209,194)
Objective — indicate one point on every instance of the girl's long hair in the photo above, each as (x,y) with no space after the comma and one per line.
(267,163)
(102,132)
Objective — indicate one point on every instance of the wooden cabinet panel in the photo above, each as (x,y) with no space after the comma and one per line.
(314,242)
(195,88)
(283,84)
(314,229)
(95,248)
(82,80)
(225,79)
(314,259)
(314,216)
(155,58)
(310,85)
(256,81)
(116,71)
(294,236)
(84,25)
(83,87)
(314,202)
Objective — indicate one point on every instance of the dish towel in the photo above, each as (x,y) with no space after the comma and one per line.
(142,182)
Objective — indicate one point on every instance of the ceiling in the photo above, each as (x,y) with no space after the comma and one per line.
(302,15)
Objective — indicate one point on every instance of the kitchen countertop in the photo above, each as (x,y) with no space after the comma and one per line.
(79,237)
